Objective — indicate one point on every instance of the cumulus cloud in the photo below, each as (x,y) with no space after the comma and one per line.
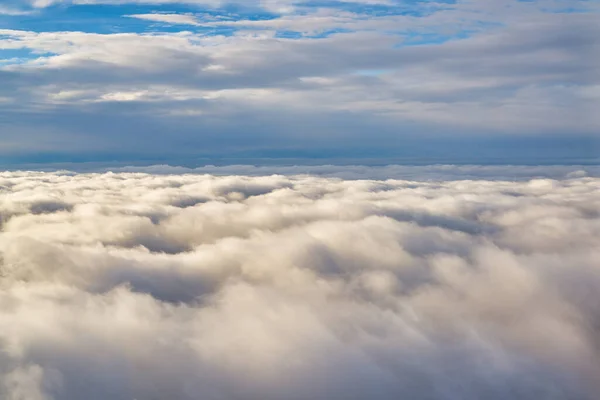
(197,286)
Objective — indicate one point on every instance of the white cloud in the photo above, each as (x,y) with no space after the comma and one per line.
(184,19)
(405,172)
(279,6)
(13,11)
(131,285)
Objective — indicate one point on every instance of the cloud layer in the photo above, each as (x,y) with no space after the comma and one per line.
(132,285)
(155,77)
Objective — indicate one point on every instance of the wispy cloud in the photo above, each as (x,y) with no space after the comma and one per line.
(13,11)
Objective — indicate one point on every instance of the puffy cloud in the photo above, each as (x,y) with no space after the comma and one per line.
(134,285)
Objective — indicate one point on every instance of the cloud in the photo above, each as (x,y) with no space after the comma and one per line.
(404,172)
(134,285)
(167,18)
(307,79)
(261,3)
(13,11)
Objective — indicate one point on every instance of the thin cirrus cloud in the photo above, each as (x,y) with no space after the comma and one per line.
(273,79)
(135,285)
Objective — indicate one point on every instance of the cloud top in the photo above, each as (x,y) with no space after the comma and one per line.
(133,285)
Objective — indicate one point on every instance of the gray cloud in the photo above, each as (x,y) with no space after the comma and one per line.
(522,72)
(132,285)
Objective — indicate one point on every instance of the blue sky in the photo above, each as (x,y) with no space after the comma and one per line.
(322,81)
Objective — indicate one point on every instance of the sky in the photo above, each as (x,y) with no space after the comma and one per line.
(290,81)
